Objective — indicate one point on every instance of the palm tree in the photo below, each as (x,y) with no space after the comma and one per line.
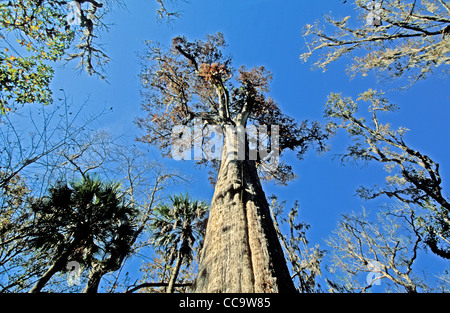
(178,228)
(79,221)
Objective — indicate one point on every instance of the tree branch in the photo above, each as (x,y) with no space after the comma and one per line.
(187,56)
(147,285)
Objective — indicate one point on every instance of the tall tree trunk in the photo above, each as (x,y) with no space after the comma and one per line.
(101,268)
(95,275)
(174,273)
(57,266)
(241,251)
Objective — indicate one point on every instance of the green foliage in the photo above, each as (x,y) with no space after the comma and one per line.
(88,217)
(179,226)
(33,35)
(178,229)
(23,80)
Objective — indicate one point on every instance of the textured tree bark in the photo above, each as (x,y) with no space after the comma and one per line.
(241,251)
(174,273)
(95,275)
(57,266)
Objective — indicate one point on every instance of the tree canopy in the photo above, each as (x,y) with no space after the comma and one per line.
(81,222)
(412,42)
(196,80)
(36,35)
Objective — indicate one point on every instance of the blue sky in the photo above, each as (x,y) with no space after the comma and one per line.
(266,32)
